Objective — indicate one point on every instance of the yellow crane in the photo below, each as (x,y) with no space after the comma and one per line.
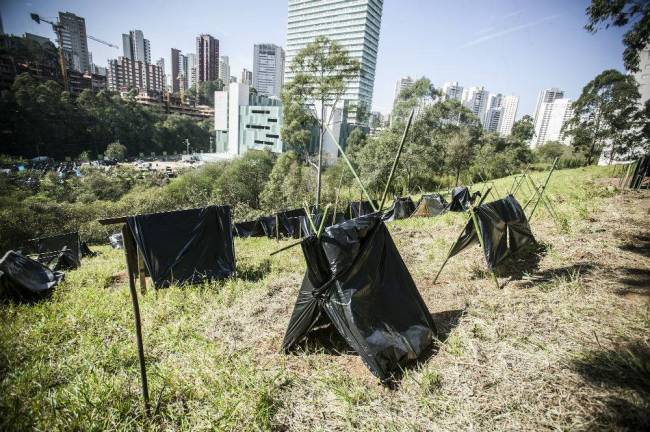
(58,30)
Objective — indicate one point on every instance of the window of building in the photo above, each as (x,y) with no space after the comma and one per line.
(260,112)
(272,136)
(272,120)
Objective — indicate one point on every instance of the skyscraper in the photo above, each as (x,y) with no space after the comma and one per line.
(75,42)
(400,85)
(246,77)
(207,52)
(224,69)
(476,100)
(179,71)
(452,90)
(192,70)
(552,113)
(643,76)
(136,47)
(546,96)
(268,69)
(354,24)
(125,74)
(509,105)
(161,64)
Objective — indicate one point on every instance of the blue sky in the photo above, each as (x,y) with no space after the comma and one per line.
(509,46)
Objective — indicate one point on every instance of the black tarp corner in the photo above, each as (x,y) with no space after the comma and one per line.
(460,199)
(86,252)
(504,229)
(430,205)
(185,246)
(402,208)
(25,279)
(356,281)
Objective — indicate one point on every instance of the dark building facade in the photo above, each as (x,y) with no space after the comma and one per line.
(207,52)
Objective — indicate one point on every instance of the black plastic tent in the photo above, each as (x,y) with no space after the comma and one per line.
(25,279)
(641,171)
(430,205)
(361,208)
(61,248)
(460,199)
(504,229)
(251,228)
(357,282)
(401,209)
(186,246)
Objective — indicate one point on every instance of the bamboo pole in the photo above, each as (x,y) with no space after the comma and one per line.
(397,156)
(545,200)
(347,161)
(548,177)
(128,239)
(336,199)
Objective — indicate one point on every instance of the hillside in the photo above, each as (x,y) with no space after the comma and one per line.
(563,345)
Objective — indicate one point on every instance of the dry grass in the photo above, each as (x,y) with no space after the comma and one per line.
(563,346)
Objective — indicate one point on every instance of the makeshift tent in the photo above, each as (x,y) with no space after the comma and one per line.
(86,252)
(49,248)
(25,279)
(251,228)
(430,205)
(186,246)
(460,199)
(357,282)
(504,229)
(361,208)
(401,209)
(641,172)
(116,240)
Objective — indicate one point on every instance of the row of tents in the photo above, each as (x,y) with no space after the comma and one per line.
(356,282)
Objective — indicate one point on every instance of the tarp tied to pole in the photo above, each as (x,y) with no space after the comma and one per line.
(186,246)
(249,229)
(361,208)
(430,205)
(357,281)
(460,199)
(25,279)
(504,229)
(63,250)
(641,172)
(401,209)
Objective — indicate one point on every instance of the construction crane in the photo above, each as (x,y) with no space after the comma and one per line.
(58,30)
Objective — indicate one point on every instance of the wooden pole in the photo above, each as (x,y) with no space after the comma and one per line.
(277,228)
(141,274)
(397,156)
(129,243)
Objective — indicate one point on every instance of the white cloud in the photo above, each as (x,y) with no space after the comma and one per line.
(504,32)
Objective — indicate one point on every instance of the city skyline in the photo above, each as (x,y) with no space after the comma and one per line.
(501,46)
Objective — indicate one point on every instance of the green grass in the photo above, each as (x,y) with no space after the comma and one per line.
(523,357)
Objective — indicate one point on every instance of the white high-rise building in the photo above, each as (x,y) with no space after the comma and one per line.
(476,100)
(268,69)
(401,84)
(224,69)
(246,77)
(354,24)
(75,42)
(192,70)
(452,90)
(509,105)
(551,115)
(135,47)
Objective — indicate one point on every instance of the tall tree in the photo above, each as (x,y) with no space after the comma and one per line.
(523,129)
(460,152)
(619,13)
(606,111)
(321,70)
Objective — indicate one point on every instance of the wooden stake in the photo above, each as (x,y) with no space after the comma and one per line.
(141,274)
(131,262)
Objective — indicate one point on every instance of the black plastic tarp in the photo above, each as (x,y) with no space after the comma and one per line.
(186,246)
(361,208)
(460,199)
(329,221)
(50,247)
(356,281)
(430,205)
(251,228)
(401,209)
(504,229)
(641,171)
(86,252)
(25,279)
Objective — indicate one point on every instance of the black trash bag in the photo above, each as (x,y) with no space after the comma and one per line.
(186,246)
(402,208)
(357,281)
(361,208)
(116,240)
(504,229)
(249,229)
(25,279)
(460,199)
(50,247)
(64,260)
(86,252)
(430,205)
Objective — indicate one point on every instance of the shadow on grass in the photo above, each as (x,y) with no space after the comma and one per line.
(635,281)
(639,244)
(253,272)
(625,367)
(523,262)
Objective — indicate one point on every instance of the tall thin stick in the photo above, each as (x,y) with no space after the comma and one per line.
(397,156)
(548,177)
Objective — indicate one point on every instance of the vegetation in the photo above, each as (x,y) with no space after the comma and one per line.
(561,346)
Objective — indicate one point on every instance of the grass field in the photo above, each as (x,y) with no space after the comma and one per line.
(564,345)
